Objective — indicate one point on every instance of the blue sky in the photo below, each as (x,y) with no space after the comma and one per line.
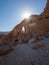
(11,11)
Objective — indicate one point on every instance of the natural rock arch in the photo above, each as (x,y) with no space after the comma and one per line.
(23,29)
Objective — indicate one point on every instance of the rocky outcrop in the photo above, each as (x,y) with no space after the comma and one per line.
(2,38)
(46,10)
(34,26)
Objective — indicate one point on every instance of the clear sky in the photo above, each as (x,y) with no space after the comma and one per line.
(11,11)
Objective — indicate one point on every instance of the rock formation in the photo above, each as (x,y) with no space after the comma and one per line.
(46,10)
(35,25)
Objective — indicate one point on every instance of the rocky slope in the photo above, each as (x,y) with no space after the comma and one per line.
(36,51)
(27,54)
(34,26)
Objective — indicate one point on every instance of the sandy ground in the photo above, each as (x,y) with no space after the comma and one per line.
(26,54)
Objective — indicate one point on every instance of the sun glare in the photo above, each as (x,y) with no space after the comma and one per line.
(26,15)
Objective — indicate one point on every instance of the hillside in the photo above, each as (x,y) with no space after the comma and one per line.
(28,42)
(34,26)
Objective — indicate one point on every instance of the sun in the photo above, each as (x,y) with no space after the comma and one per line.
(26,15)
